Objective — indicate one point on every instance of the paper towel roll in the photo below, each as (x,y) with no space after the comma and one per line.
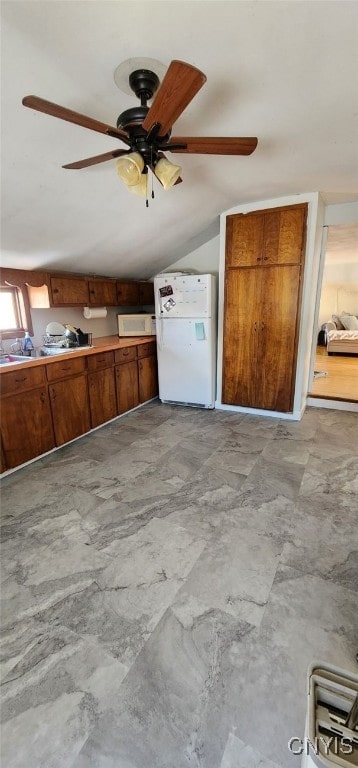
(94,313)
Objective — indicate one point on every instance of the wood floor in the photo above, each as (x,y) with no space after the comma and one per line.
(341,382)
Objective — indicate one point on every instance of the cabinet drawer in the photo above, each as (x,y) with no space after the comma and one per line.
(126,354)
(65,368)
(102,360)
(19,381)
(146,350)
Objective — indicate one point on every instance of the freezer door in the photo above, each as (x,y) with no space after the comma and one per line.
(186,361)
(184,296)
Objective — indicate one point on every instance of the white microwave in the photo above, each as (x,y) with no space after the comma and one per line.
(136,325)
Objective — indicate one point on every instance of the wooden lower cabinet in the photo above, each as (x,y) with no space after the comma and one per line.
(127,386)
(70,410)
(147,378)
(46,406)
(102,396)
(26,426)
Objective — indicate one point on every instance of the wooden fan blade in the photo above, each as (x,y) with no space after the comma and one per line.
(96,159)
(55,110)
(178,87)
(212,145)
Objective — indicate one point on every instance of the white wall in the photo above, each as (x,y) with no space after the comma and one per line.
(74,316)
(204,259)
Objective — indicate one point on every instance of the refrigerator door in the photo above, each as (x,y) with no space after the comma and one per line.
(184,295)
(186,361)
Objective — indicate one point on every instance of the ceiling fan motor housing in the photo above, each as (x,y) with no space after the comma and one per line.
(143,83)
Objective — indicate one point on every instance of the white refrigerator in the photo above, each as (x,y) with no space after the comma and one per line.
(185,310)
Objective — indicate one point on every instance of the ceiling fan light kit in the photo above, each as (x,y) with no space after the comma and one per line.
(130,168)
(146,131)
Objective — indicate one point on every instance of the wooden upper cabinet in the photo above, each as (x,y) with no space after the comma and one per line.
(127,293)
(146,293)
(102,293)
(69,291)
(262,238)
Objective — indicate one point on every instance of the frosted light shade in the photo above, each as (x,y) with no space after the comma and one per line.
(140,188)
(129,168)
(167,172)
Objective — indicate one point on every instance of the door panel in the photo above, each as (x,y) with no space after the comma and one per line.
(244,239)
(284,235)
(148,378)
(127,386)
(277,338)
(70,411)
(102,396)
(26,426)
(242,312)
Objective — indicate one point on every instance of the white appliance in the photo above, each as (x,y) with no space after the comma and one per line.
(136,325)
(185,310)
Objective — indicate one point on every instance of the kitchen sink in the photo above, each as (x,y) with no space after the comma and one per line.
(12,359)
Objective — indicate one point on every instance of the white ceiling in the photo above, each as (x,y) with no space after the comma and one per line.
(284,71)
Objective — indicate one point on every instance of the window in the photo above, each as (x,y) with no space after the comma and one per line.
(15,315)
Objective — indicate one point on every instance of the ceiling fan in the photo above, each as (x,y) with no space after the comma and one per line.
(147,130)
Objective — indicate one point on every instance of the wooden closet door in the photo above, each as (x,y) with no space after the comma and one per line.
(276,369)
(242,310)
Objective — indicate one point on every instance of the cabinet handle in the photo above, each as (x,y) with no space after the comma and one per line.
(56,290)
(20,381)
(42,397)
(258,258)
(265,258)
(66,367)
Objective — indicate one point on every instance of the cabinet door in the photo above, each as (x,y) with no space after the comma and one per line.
(275,236)
(69,291)
(127,293)
(102,396)
(69,405)
(244,239)
(277,332)
(127,386)
(146,293)
(284,235)
(148,378)
(240,340)
(102,293)
(26,426)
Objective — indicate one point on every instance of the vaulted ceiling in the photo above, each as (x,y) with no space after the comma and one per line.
(285,72)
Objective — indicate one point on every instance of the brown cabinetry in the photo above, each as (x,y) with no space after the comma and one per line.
(147,378)
(146,293)
(275,236)
(101,388)
(69,291)
(262,302)
(127,293)
(69,399)
(26,423)
(49,404)
(127,386)
(102,293)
